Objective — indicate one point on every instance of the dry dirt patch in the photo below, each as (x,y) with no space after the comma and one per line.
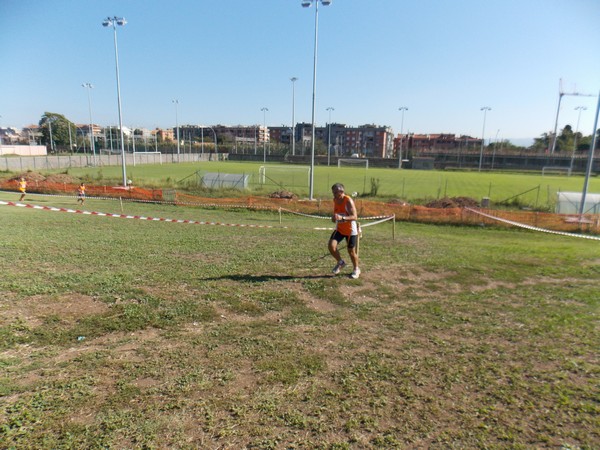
(69,308)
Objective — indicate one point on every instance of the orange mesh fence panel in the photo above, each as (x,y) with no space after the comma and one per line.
(49,187)
(412,213)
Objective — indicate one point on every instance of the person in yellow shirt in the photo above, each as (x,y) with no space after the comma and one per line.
(345,217)
(81,194)
(22,188)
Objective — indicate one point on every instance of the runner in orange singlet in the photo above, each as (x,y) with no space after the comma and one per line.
(345,216)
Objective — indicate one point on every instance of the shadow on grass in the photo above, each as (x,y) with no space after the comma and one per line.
(264,278)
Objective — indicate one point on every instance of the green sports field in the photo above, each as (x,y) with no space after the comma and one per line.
(410,185)
(130,333)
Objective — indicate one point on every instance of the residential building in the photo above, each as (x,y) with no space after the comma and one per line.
(84,129)
(232,134)
(366,140)
(164,134)
(441,141)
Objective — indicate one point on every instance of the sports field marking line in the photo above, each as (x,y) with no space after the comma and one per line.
(127,216)
(529,227)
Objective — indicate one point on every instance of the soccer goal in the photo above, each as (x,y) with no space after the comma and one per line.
(284,176)
(147,157)
(354,162)
(556,170)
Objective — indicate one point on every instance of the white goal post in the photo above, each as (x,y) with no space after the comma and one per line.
(147,157)
(353,162)
(282,174)
(556,170)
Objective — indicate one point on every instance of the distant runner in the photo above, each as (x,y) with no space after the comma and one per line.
(81,194)
(22,188)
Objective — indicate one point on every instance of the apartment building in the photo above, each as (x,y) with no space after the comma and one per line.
(84,129)
(164,134)
(225,133)
(440,141)
(365,140)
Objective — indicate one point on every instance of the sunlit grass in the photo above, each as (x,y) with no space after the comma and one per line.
(122,333)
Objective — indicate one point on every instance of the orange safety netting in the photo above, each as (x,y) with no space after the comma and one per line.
(64,188)
(589,223)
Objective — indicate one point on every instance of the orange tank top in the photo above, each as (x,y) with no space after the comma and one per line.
(347,228)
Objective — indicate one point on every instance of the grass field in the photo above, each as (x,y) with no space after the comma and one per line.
(121,333)
(415,186)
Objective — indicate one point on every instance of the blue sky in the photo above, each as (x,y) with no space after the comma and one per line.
(225,60)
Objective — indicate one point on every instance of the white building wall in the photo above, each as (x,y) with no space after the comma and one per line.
(23,150)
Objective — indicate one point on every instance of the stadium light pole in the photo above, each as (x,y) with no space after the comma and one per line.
(578,108)
(202,127)
(401,109)
(329,108)
(176,102)
(590,162)
(89,87)
(264,110)
(50,131)
(485,109)
(113,22)
(293,80)
(307,4)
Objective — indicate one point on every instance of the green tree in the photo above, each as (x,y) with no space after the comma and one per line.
(59,126)
(504,144)
(585,142)
(542,144)
(565,141)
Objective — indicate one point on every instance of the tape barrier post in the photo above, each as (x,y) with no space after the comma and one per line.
(358,239)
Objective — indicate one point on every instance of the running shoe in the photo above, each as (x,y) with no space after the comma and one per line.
(339,266)
(355,273)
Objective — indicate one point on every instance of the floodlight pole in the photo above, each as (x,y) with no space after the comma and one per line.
(264,110)
(50,130)
(579,108)
(293,80)
(485,109)
(590,162)
(561,94)
(176,101)
(113,22)
(89,87)
(202,127)
(306,4)
(330,108)
(401,109)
